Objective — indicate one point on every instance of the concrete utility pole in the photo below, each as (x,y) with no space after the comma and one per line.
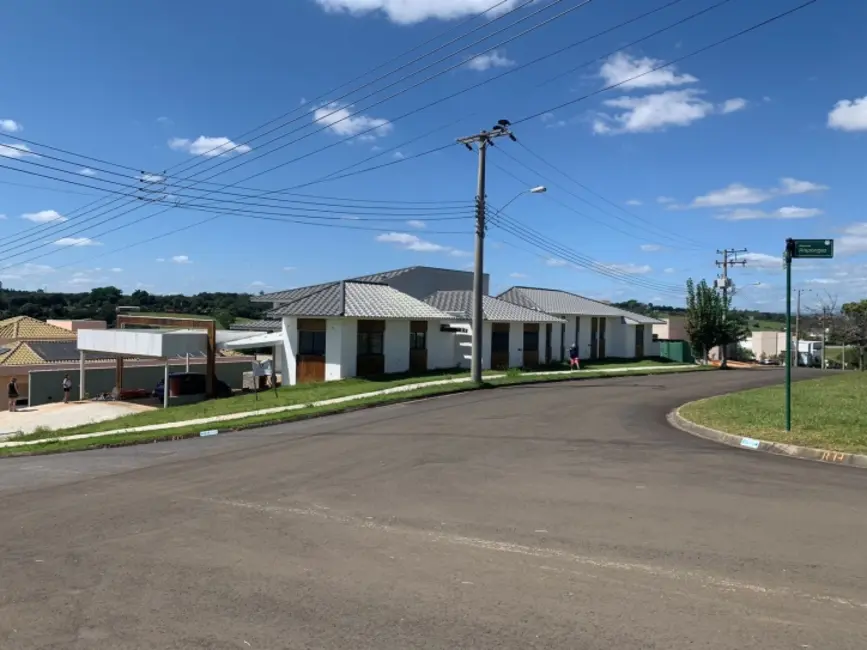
(482,139)
(730,258)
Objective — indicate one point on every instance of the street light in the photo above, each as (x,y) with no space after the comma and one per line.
(478,280)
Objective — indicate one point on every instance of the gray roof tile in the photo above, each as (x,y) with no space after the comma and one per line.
(555,301)
(257,325)
(460,303)
(358,300)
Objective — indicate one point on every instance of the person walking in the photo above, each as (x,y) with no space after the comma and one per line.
(12,392)
(574,361)
(67,386)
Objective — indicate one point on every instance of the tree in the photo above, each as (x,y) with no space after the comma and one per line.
(710,321)
(856,327)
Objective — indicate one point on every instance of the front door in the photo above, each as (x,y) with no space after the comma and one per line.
(370,359)
(499,346)
(639,341)
(531,345)
(310,360)
(549,330)
(594,338)
(418,346)
(602,327)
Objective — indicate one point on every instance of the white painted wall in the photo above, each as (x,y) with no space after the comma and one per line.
(334,360)
(516,345)
(290,340)
(349,347)
(396,345)
(442,347)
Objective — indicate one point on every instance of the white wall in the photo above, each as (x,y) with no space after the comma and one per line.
(290,340)
(349,347)
(442,350)
(396,345)
(334,359)
(516,345)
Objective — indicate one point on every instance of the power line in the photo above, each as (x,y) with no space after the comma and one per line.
(672,61)
(559,251)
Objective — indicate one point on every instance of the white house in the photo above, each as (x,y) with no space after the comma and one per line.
(598,329)
(513,336)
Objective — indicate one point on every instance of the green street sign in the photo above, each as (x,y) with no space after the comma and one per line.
(813,248)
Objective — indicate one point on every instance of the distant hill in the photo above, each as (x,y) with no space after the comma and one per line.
(758,320)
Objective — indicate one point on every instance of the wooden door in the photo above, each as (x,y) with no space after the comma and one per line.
(603,322)
(370,359)
(594,338)
(418,346)
(310,359)
(499,346)
(639,341)
(531,345)
(549,331)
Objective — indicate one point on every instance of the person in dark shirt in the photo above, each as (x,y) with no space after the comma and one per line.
(574,361)
(12,391)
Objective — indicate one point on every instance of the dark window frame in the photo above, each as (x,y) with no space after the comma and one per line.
(418,340)
(368,342)
(531,341)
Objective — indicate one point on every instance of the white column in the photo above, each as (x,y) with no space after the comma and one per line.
(81,390)
(188,362)
(166,385)
(290,341)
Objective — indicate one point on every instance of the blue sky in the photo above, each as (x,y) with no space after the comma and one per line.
(740,147)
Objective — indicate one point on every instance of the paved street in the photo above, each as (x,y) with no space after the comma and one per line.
(550,516)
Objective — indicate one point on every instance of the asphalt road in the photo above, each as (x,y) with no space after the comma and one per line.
(555,516)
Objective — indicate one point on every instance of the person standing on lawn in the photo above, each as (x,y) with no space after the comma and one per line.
(67,386)
(12,392)
(574,361)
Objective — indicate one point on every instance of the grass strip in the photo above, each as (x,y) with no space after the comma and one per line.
(123,439)
(827,413)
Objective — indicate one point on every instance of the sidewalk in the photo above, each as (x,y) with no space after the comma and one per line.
(328,402)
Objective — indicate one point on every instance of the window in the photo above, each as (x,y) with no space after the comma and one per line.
(311,343)
(499,341)
(531,341)
(418,340)
(370,342)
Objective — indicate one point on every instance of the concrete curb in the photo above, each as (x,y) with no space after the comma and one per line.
(676,420)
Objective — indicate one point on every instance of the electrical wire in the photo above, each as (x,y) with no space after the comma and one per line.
(672,62)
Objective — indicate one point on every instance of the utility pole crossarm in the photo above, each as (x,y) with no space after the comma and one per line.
(482,140)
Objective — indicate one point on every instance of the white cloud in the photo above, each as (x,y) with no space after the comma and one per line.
(416,223)
(789,212)
(77,241)
(493,59)
(621,66)
(10,126)
(2,217)
(164,120)
(209,147)
(161,259)
(854,239)
(13,150)
(25,270)
(653,112)
(556,263)
(518,276)
(823,281)
(739,194)
(410,242)
(631,269)
(181,259)
(763,262)
(397,155)
(288,268)
(43,216)
(258,283)
(547,117)
(664,200)
(87,171)
(668,270)
(633,202)
(340,120)
(849,115)
(117,269)
(649,248)
(732,105)
(407,12)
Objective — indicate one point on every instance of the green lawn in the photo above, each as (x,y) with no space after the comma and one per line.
(835,353)
(295,395)
(827,413)
(761,325)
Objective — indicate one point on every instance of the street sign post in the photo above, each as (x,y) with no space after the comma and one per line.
(800,249)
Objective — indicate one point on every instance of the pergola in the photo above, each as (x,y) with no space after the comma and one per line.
(164,345)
